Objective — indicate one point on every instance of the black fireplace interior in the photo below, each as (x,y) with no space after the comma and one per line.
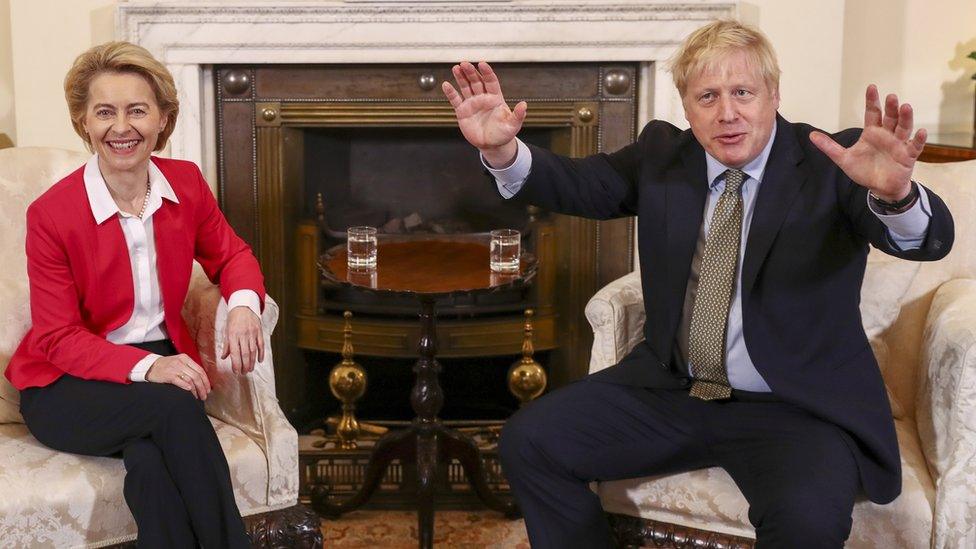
(411,180)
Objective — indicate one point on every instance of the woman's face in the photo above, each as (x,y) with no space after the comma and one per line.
(123,121)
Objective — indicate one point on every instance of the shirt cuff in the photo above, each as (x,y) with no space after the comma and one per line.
(908,229)
(245,298)
(511,179)
(139,371)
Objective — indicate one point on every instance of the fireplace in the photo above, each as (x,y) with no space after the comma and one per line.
(338,146)
(239,71)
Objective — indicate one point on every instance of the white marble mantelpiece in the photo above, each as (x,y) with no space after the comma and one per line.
(190,37)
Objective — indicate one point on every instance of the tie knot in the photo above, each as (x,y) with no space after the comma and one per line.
(733,180)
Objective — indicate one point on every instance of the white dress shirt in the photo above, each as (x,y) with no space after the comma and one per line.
(146,322)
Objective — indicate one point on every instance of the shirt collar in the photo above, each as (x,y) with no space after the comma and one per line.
(753,169)
(102,204)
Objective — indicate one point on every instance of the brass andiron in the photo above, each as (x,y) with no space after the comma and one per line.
(526,378)
(348,382)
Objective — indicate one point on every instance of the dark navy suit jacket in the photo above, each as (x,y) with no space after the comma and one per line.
(801,277)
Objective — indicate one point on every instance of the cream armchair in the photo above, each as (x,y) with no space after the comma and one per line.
(921,320)
(54,499)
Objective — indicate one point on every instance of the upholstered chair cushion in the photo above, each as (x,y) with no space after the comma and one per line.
(25,173)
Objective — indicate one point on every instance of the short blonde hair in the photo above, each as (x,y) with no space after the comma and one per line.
(716,40)
(120,57)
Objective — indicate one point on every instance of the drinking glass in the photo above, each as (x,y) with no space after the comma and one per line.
(505,250)
(361,248)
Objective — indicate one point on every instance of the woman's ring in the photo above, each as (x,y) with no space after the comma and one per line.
(182,376)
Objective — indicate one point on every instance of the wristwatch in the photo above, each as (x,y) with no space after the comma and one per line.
(898,206)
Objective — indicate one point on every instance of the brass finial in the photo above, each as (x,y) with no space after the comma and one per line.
(348,383)
(526,378)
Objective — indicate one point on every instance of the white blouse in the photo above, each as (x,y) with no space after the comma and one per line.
(146,323)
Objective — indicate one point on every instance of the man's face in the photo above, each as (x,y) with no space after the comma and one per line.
(731,109)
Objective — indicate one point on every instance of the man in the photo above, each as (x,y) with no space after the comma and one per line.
(753,239)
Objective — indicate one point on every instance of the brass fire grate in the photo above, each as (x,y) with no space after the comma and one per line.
(342,472)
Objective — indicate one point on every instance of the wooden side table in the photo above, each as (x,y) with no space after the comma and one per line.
(426,269)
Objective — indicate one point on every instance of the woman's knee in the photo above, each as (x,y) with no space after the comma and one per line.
(171,401)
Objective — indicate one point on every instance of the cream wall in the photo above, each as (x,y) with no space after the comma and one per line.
(7,119)
(46,36)
(917,49)
(828,49)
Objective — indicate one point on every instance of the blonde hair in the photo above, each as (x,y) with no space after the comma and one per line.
(716,40)
(120,57)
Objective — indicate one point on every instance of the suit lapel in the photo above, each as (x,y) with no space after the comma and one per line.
(782,180)
(685,207)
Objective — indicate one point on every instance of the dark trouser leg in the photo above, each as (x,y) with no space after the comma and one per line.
(101,418)
(796,471)
(153,498)
(587,431)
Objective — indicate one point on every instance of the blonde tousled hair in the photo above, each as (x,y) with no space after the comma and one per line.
(120,57)
(718,39)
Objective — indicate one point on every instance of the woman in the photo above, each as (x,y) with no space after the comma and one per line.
(109,366)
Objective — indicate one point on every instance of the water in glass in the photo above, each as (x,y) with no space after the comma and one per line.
(361,248)
(505,250)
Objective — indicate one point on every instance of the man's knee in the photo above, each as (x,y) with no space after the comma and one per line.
(805,522)
(515,444)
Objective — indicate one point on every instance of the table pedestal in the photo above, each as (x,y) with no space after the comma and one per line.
(425,443)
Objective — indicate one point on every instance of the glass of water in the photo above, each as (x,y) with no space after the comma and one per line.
(505,250)
(361,248)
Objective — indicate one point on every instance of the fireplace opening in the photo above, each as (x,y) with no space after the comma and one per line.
(408,181)
(405,180)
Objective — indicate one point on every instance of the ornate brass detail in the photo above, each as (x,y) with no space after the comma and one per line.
(268,114)
(237,82)
(348,383)
(584,114)
(616,81)
(356,114)
(426,81)
(526,378)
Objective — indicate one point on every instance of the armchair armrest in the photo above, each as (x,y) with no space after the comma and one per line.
(247,402)
(946,411)
(616,313)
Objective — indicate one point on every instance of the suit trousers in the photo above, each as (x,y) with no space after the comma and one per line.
(796,471)
(177,481)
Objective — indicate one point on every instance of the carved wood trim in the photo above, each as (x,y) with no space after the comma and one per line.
(295,527)
(633,532)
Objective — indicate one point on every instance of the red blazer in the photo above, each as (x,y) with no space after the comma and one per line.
(81,277)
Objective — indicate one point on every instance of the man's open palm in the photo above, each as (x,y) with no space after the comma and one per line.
(883,158)
(483,117)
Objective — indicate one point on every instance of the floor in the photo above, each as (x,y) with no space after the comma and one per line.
(398,530)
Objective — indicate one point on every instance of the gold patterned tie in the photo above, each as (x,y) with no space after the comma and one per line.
(710,315)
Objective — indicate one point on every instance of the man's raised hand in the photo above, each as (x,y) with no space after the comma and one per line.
(883,158)
(483,117)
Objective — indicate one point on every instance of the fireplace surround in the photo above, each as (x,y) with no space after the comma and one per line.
(191,38)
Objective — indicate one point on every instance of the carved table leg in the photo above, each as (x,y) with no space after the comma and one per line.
(462,447)
(427,399)
(426,479)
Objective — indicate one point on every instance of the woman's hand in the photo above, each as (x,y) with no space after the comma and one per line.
(182,371)
(243,340)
